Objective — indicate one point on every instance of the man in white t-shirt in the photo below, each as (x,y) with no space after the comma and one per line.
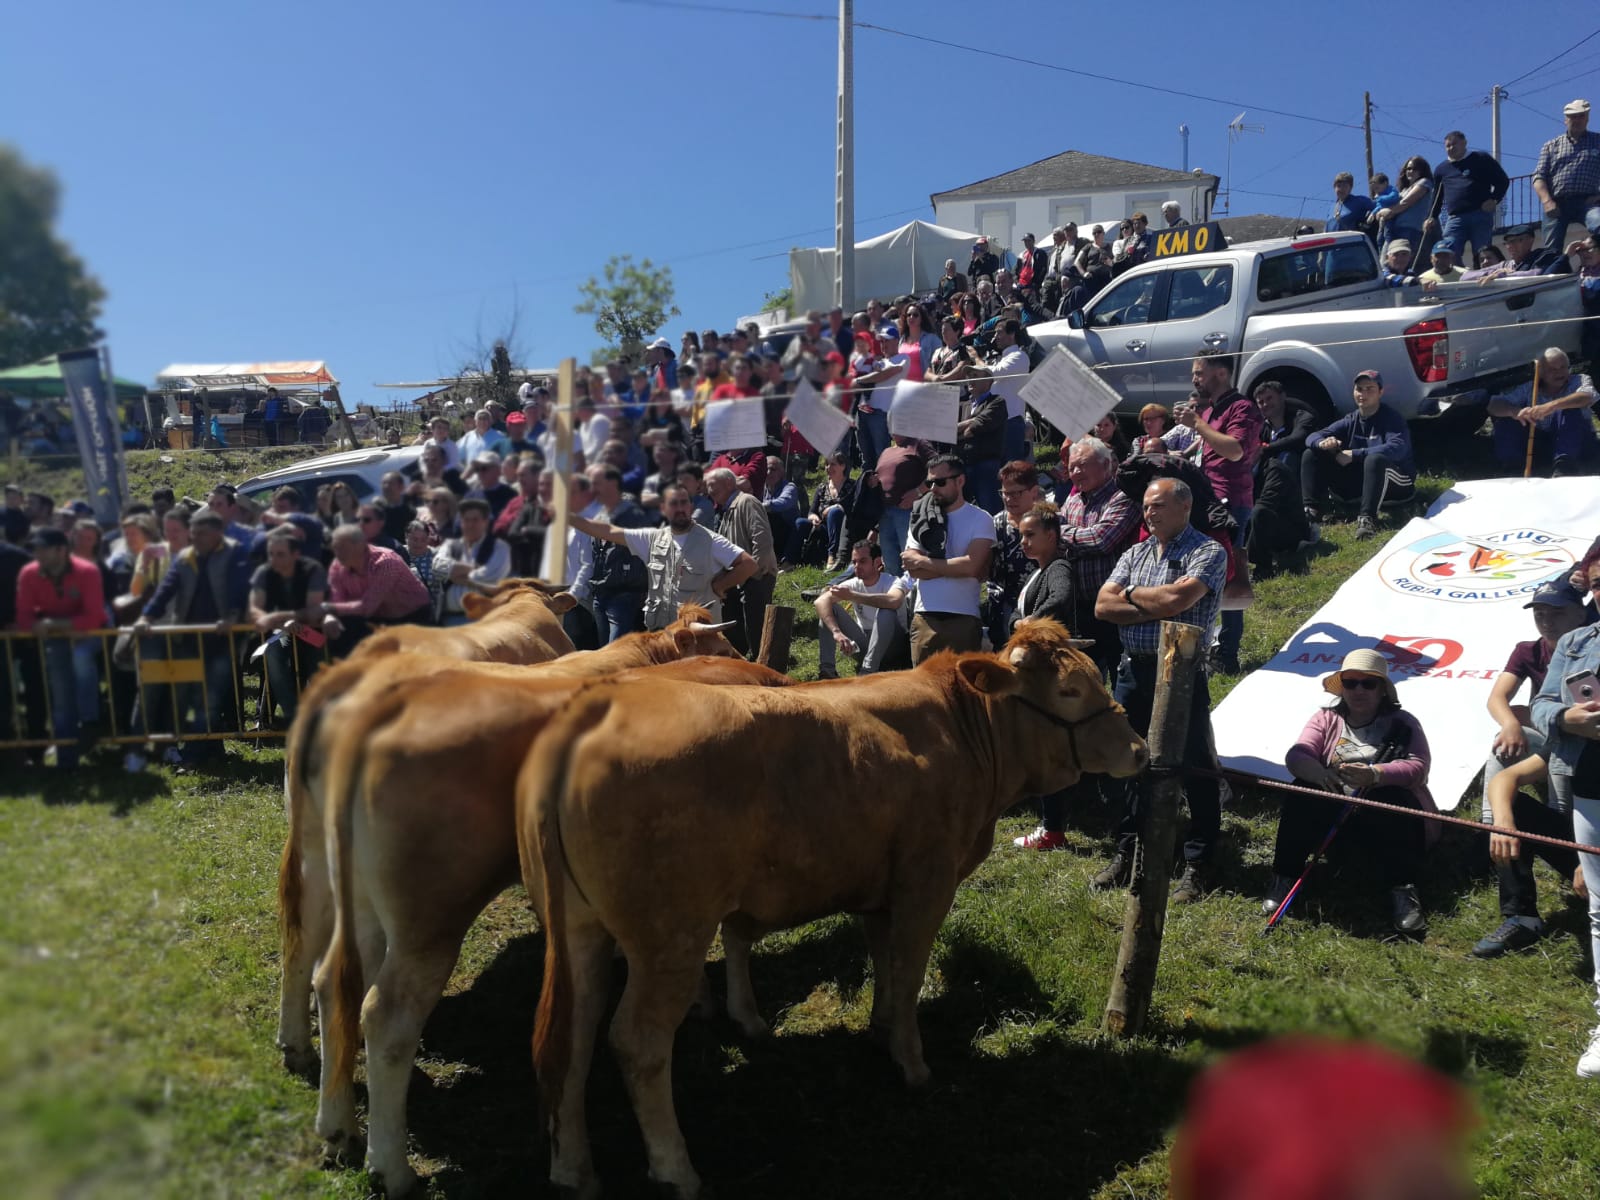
(869,591)
(688,564)
(949,559)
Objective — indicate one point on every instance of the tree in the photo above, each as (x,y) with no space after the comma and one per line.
(48,300)
(782,298)
(630,306)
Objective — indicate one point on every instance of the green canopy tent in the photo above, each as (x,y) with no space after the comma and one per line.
(42,381)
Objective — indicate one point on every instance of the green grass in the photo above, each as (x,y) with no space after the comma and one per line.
(190,473)
(138,960)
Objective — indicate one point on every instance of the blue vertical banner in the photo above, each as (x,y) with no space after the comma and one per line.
(99,431)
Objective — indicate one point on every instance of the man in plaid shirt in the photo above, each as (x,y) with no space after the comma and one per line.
(1177,574)
(1567,178)
(1100,523)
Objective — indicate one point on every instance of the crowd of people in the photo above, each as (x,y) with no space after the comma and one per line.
(929,547)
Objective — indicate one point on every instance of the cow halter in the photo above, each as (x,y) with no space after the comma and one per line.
(1070,726)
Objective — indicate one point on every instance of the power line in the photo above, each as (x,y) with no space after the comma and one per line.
(1553,58)
(1562,82)
(732,10)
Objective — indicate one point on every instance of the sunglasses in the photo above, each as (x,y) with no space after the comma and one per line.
(1366,683)
(933,482)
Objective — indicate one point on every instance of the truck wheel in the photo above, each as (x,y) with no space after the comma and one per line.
(1305,388)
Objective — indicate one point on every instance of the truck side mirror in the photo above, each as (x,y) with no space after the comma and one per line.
(1075,319)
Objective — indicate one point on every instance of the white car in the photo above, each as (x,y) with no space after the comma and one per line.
(362,470)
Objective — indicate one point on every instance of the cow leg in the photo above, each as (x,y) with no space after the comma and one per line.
(914,922)
(876,926)
(653,1005)
(300,956)
(571,1166)
(407,989)
(737,938)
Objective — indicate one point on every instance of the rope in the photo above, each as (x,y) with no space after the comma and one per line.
(1442,818)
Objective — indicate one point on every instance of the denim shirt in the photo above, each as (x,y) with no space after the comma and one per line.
(1575,652)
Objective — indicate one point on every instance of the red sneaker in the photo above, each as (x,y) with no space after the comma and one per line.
(1040,839)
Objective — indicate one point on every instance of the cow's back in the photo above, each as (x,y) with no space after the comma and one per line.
(783,804)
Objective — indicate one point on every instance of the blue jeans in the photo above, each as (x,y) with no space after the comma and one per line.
(209,709)
(894,526)
(616,614)
(983,484)
(1586,831)
(1570,210)
(1476,227)
(872,436)
(1015,443)
(1233,622)
(72,678)
(1136,691)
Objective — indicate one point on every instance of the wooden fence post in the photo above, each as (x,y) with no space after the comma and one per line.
(1145,917)
(777,628)
(553,569)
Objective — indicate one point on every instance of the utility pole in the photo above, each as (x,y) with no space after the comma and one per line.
(1495,94)
(844,177)
(1366,127)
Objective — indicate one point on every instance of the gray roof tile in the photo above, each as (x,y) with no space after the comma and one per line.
(1072,171)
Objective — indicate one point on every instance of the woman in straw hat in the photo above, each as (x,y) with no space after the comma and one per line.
(1366,745)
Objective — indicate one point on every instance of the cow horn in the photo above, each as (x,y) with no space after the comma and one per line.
(702,627)
(1080,643)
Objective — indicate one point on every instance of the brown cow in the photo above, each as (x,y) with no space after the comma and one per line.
(516,623)
(422,801)
(305,901)
(876,796)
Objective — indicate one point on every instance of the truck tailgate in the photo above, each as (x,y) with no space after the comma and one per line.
(1502,324)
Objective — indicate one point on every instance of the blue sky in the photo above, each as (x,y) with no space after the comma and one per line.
(375,185)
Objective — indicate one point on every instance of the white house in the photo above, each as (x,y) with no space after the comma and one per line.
(1089,189)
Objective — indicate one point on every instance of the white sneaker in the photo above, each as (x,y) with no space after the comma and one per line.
(133,762)
(1589,1064)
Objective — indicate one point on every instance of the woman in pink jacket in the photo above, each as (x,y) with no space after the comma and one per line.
(1365,745)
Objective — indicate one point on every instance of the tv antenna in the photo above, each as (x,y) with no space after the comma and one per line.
(1236,130)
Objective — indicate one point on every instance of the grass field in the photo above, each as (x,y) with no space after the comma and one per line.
(138,994)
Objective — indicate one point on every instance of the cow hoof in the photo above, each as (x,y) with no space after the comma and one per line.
(397,1183)
(302,1062)
(918,1075)
(751,1025)
(345,1150)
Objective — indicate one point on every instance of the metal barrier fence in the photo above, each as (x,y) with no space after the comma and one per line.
(56,684)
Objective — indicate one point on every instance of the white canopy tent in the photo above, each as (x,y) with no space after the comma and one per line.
(908,259)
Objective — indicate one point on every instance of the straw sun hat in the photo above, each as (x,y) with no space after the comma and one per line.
(1363,662)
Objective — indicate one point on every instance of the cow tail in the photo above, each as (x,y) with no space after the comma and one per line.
(296,789)
(342,1034)
(542,787)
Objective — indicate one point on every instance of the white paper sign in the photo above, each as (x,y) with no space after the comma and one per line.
(1068,394)
(1443,602)
(927,411)
(736,424)
(822,424)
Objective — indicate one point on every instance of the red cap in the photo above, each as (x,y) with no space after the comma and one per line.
(515,418)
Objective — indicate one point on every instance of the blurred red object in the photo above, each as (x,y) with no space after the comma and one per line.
(1313,1119)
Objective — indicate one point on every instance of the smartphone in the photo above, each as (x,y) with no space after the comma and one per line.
(1583,687)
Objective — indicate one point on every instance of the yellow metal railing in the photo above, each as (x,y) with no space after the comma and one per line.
(177,665)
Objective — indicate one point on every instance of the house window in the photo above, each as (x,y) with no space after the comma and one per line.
(995,222)
(1073,210)
(1149,203)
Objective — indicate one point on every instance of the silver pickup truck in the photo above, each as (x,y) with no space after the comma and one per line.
(1311,312)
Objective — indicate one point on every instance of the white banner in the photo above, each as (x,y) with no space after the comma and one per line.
(928,411)
(819,422)
(736,424)
(1443,602)
(1068,394)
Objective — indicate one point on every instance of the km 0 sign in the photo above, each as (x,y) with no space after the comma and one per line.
(1191,239)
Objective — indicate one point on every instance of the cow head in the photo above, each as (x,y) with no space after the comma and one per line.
(694,634)
(479,605)
(1061,718)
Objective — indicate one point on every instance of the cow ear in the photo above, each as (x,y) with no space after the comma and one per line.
(988,675)
(684,638)
(562,602)
(474,605)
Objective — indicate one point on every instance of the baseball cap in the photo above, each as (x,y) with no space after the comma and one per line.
(1557,593)
(1524,230)
(660,343)
(1575,108)
(1375,376)
(1442,248)
(1399,244)
(524,392)
(517,419)
(46,535)
(889,330)
(983,241)
(84,509)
